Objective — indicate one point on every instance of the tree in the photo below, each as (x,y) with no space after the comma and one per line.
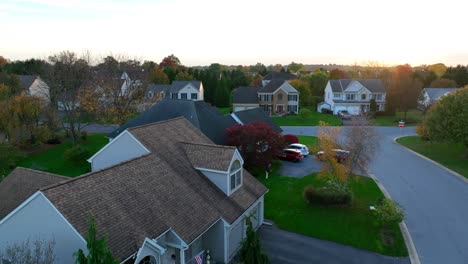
(258,143)
(404,89)
(277,67)
(294,67)
(3,61)
(304,90)
(317,81)
(337,74)
(459,74)
(183,76)
(12,82)
(222,95)
(388,212)
(170,61)
(158,76)
(372,106)
(438,69)
(27,252)
(251,249)
(98,252)
(256,80)
(443,83)
(447,120)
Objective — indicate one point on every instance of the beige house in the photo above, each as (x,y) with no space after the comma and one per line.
(33,85)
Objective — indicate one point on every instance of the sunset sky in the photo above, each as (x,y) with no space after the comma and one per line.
(242,31)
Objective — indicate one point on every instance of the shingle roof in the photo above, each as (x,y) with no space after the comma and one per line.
(27,80)
(20,184)
(148,195)
(157,88)
(435,93)
(256,115)
(373,85)
(202,115)
(245,95)
(279,76)
(176,86)
(271,86)
(209,156)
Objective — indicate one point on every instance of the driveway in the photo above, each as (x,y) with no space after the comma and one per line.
(290,248)
(434,200)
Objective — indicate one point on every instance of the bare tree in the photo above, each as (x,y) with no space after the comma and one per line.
(27,252)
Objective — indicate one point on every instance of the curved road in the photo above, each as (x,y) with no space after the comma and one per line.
(435,201)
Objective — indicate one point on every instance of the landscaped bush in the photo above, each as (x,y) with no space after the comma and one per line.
(327,111)
(76,153)
(9,155)
(42,133)
(84,135)
(388,212)
(422,132)
(54,140)
(327,195)
(290,138)
(304,113)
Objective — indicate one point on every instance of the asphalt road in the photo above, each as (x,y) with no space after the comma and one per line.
(290,248)
(435,201)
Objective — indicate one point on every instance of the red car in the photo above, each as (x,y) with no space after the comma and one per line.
(291,154)
(340,155)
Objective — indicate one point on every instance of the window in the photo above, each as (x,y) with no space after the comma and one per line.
(174,95)
(350,97)
(336,95)
(235,175)
(292,97)
(378,97)
(150,94)
(280,97)
(183,96)
(194,96)
(292,108)
(363,96)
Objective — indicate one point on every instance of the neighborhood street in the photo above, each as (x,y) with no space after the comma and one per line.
(433,199)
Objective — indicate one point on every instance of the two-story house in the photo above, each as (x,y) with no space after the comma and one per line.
(429,96)
(275,96)
(184,90)
(33,85)
(353,95)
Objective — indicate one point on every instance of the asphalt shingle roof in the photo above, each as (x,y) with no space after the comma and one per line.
(246,95)
(146,196)
(27,81)
(20,184)
(209,156)
(373,85)
(271,86)
(176,86)
(279,76)
(435,93)
(157,88)
(256,115)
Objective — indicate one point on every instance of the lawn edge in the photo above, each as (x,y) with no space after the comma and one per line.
(456,174)
(412,252)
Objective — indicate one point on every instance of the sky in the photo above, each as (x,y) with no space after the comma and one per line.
(243,32)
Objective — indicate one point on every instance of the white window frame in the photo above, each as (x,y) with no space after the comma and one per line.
(192,97)
(336,95)
(238,179)
(350,95)
(150,95)
(182,96)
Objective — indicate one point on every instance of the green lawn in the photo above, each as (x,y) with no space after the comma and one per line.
(52,160)
(311,120)
(413,118)
(354,226)
(308,140)
(225,110)
(448,154)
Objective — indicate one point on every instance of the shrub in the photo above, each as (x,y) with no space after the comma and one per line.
(422,132)
(76,153)
(326,111)
(42,133)
(84,135)
(315,100)
(9,155)
(304,113)
(54,140)
(388,212)
(327,195)
(290,138)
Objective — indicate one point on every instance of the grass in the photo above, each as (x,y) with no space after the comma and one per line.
(413,118)
(307,140)
(52,159)
(355,226)
(225,110)
(451,155)
(311,120)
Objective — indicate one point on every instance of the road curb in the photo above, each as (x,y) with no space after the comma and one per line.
(412,252)
(456,174)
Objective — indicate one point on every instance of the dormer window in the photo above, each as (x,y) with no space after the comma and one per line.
(235,175)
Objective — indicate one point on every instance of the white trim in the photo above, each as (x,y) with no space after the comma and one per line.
(259,200)
(241,169)
(90,160)
(63,217)
(210,170)
(184,244)
(206,230)
(236,119)
(19,207)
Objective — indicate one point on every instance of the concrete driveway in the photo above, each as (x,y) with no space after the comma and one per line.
(290,248)
(434,200)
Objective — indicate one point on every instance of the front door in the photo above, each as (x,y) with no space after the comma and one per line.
(279,109)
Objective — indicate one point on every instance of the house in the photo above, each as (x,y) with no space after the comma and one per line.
(275,97)
(274,75)
(431,95)
(33,85)
(353,95)
(173,198)
(185,90)
(202,115)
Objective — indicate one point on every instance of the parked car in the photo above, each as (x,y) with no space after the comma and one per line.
(291,154)
(301,147)
(339,154)
(344,114)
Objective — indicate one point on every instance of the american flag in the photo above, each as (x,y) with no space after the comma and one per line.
(199,258)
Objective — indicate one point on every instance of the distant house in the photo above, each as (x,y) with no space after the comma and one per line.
(184,90)
(276,96)
(33,85)
(202,115)
(175,196)
(353,95)
(431,95)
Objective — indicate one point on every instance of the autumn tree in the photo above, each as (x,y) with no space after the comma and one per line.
(256,80)
(443,83)
(438,69)
(404,89)
(337,74)
(170,61)
(304,90)
(447,120)
(258,143)
(158,76)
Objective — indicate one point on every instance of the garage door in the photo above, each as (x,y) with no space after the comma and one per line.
(338,108)
(354,110)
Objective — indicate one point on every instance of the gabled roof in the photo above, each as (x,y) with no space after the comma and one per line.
(157,88)
(373,85)
(20,184)
(146,196)
(209,156)
(279,76)
(435,93)
(273,85)
(246,95)
(256,115)
(176,86)
(202,115)
(27,80)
